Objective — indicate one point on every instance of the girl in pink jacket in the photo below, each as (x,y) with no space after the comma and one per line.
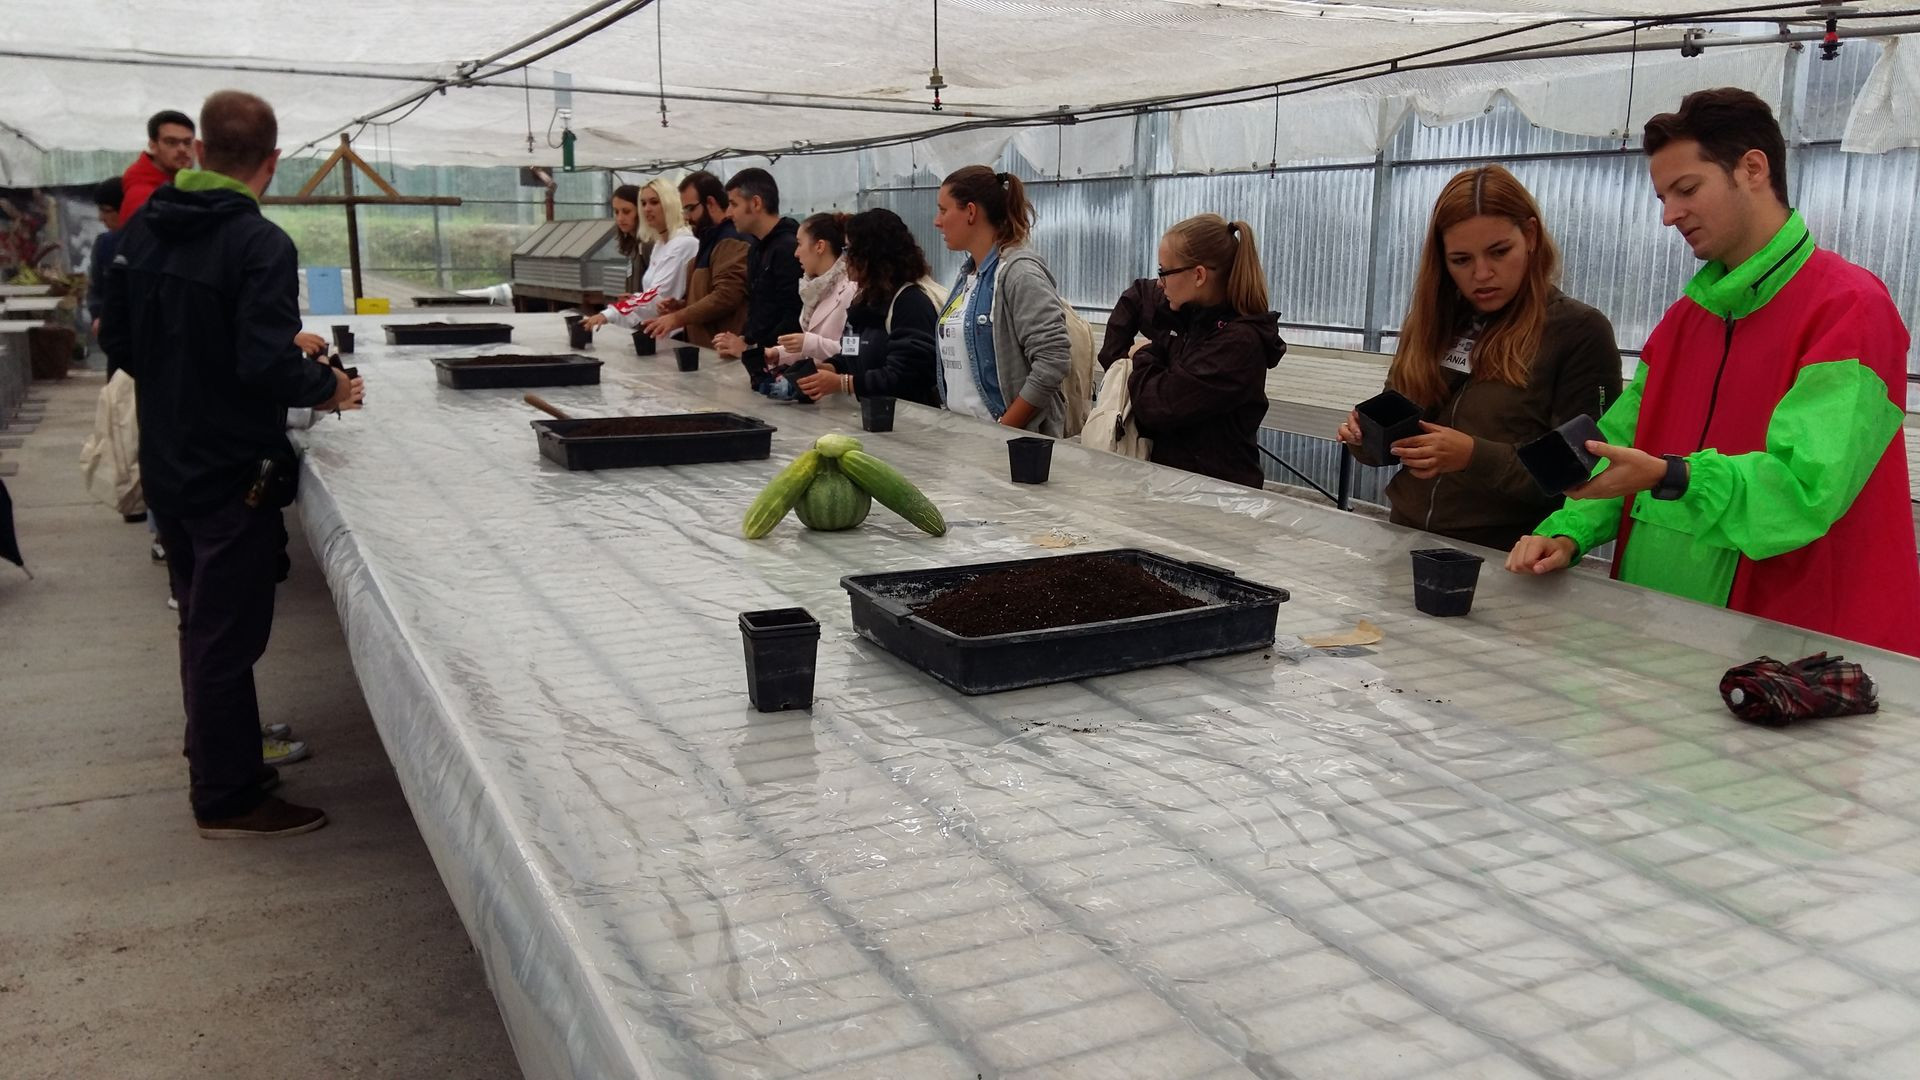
(825,294)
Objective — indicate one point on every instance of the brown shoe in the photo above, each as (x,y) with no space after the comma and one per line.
(273,817)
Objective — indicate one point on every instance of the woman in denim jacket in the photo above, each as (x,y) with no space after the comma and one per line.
(1003,340)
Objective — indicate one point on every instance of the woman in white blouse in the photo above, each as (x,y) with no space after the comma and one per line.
(661,228)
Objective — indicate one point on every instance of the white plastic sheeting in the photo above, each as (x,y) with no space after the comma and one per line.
(999,58)
(1582,96)
(1884,118)
(1527,842)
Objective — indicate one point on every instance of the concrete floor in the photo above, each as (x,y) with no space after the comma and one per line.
(129,946)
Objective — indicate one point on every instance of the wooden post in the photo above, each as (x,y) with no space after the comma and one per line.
(353,229)
(387,197)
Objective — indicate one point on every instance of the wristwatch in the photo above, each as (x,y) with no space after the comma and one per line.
(1674,484)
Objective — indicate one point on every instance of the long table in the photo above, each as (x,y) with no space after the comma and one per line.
(1526,842)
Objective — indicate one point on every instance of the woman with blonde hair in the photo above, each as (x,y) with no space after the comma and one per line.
(1199,391)
(654,235)
(1495,355)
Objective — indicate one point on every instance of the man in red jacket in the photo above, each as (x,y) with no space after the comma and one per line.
(1757,461)
(169,149)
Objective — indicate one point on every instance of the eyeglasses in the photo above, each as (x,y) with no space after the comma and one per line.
(177,144)
(1166,272)
(688,208)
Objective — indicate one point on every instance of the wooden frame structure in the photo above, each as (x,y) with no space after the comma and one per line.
(388,197)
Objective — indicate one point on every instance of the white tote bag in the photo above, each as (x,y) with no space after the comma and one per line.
(1110,422)
(110,459)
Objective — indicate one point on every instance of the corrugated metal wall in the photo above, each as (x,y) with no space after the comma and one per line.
(1316,226)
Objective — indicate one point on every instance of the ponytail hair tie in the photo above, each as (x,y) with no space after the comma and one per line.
(1002,178)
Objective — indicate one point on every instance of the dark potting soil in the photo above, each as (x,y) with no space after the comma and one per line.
(1066,591)
(611,426)
(443,326)
(507,360)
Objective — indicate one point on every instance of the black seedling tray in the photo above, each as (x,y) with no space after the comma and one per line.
(748,438)
(451,301)
(1237,616)
(472,333)
(463,373)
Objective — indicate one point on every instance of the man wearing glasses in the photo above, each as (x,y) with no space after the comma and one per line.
(169,149)
(717,286)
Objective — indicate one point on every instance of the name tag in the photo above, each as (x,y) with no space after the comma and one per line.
(1460,357)
(850,345)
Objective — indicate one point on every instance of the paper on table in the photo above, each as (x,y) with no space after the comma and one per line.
(1364,634)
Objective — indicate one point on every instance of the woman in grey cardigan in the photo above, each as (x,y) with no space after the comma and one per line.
(1003,340)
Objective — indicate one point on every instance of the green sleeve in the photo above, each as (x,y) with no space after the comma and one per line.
(1592,522)
(1823,441)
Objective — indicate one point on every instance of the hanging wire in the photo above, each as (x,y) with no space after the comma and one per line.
(935,81)
(1273,162)
(528,87)
(660,55)
(1633,68)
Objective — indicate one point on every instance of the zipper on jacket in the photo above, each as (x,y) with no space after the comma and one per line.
(1713,399)
(1453,418)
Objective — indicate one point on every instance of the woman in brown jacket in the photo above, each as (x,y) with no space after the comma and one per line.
(1495,356)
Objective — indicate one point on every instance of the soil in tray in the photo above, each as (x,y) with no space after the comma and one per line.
(614,426)
(1066,591)
(512,361)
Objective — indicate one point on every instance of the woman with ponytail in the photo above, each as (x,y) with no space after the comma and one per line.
(825,294)
(1495,356)
(1004,349)
(1200,390)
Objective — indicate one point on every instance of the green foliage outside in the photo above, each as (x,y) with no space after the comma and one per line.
(475,243)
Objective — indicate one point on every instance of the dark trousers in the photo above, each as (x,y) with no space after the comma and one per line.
(223,566)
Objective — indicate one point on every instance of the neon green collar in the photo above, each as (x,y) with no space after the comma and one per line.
(202,180)
(1738,293)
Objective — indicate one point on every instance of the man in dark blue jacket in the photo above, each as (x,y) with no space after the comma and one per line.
(106,198)
(202,305)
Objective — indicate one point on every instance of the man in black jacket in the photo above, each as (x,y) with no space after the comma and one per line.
(773,271)
(202,306)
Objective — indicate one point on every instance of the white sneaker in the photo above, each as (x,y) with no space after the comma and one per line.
(172,604)
(282,752)
(282,732)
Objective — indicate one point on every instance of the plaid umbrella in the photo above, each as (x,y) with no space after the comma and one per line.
(1766,691)
(9,543)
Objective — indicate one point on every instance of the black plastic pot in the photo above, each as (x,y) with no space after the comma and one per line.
(1385,419)
(688,357)
(343,338)
(876,413)
(644,343)
(1444,580)
(1030,458)
(1559,459)
(579,336)
(782,646)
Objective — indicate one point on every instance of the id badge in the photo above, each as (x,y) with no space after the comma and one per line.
(850,345)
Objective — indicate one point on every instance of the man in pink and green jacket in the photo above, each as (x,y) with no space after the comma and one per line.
(1757,460)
